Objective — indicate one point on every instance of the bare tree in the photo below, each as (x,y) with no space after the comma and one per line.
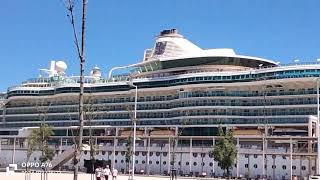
(80,50)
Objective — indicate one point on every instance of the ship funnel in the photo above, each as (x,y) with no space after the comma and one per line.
(170,44)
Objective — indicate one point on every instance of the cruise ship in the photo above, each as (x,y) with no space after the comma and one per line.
(183,92)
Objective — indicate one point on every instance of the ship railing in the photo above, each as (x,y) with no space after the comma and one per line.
(61,81)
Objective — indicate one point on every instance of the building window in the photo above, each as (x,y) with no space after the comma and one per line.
(273,166)
(210,155)
(116,153)
(165,154)
(144,153)
(115,161)
(151,154)
(273,156)
(85,152)
(103,152)
(235,165)
(137,153)
(313,168)
(255,166)
(255,156)
(164,163)
(246,155)
(294,167)
(203,155)
(211,164)
(194,163)
(122,161)
(284,167)
(303,168)
(137,161)
(109,153)
(150,162)
(187,163)
(123,153)
(202,163)
(246,165)
(157,153)
(157,162)
(219,164)
(143,162)
(179,163)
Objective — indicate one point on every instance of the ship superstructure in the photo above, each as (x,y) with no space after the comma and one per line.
(186,92)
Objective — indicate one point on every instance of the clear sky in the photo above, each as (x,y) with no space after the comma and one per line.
(34,32)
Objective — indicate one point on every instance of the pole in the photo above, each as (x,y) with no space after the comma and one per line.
(290,158)
(263,158)
(14,150)
(134,130)
(318,136)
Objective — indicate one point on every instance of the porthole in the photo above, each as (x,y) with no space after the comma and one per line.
(194,154)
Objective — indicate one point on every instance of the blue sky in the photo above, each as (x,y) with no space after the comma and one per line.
(34,32)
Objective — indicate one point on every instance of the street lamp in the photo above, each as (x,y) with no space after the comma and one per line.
(130,83)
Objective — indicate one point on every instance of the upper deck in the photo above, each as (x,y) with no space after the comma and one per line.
(174,60)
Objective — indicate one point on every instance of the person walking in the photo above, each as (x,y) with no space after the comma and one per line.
(114,174)
(98,173)
(106,172)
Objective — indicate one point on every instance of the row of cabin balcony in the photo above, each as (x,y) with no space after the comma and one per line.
(172,114)
(180,95)
(171,106)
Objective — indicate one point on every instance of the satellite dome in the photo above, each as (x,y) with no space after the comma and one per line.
(95,72)
(60,66)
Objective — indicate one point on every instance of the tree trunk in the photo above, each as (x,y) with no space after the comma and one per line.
(81,115)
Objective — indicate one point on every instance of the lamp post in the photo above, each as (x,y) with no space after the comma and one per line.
(317,130)
(130,83)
